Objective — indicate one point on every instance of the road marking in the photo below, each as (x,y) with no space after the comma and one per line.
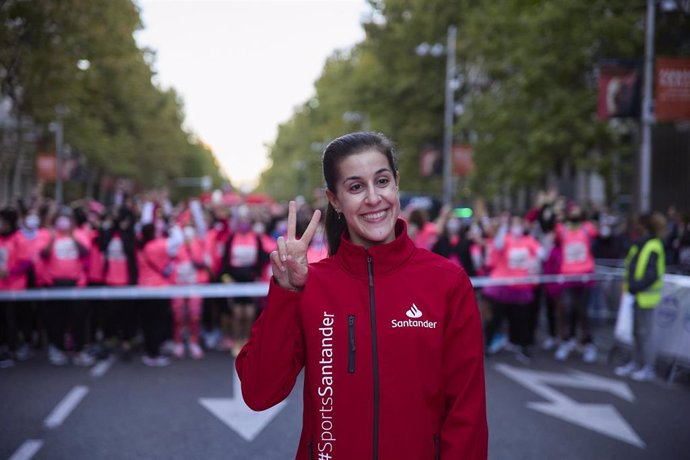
(66,406)
(27,450)
(237,416)
(601,418)
(102,367)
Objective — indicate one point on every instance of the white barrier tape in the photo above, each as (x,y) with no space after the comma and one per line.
(139,292)
(250,289)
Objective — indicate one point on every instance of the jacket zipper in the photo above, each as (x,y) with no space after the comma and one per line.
(437,447)
(351,344)
(374,351)
(311,449)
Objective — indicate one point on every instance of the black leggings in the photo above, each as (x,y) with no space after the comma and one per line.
(155,322)
(61,314)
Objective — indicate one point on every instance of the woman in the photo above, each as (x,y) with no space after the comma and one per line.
(517,255)
(389,335)
(64,257)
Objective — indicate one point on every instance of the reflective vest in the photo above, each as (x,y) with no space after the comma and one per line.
(650,297)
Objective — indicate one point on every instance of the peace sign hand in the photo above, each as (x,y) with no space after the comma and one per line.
(289,262)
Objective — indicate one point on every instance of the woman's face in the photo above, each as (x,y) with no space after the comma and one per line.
(367,196)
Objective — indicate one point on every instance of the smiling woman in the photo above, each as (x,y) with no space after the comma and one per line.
(377,385)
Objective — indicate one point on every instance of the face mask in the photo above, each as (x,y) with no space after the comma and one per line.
(605,231)
(189,233)
(32,222)
(516,230)
(63,223)
(454,226)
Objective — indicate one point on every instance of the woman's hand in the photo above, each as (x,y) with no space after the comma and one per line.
(289,262)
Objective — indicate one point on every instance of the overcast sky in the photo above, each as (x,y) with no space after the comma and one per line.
(241,66)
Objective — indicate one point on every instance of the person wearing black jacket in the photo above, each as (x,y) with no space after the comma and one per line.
(454,244)
(118,244)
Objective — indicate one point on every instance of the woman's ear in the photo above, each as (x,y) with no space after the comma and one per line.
(333,200)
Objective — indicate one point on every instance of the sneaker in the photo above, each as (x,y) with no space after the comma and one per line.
(5,360)
(646,374)
(23,353)
(56,356)
(627,370)
(589,354)
(497,344)
(549,344)
(227,344)
(212,339)
(83,358)
(564,350)
(155,361)
(167,347)
(196,351)
(178,350)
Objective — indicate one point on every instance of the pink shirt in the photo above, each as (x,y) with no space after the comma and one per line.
(517,258)
(153,261)
(576,248)
(117,271)
(14,251)
(64,260)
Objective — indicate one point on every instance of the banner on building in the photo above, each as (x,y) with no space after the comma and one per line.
(463,163)
(46,167)
(619,89)
(430,162)
(672,101)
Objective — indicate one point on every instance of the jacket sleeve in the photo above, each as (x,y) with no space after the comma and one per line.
(650,276)
(274,355)
(464,431)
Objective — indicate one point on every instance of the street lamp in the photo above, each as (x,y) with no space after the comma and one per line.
(451,84)
(56,127)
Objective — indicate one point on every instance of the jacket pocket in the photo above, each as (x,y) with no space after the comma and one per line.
(437,447)
(351,344)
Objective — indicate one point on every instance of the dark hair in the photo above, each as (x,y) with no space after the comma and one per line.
(336,151)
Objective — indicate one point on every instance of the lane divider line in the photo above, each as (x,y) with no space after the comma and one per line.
(66,406)
(102,367)
(27,450)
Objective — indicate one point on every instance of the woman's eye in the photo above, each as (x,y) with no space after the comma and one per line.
(383,181)
(355,187)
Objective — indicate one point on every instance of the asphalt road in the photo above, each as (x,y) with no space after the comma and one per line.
(544,410)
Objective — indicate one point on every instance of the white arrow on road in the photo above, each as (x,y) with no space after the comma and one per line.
(601,418)
(236,415)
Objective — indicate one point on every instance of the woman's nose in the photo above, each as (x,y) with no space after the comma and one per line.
(373,196)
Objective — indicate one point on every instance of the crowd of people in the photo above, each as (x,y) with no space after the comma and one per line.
(140,242)
(149,242)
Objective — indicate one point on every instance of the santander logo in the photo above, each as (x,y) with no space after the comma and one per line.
(413,312)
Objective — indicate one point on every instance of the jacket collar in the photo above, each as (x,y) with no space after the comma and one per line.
(385,257)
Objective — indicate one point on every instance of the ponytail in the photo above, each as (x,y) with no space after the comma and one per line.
(334,225)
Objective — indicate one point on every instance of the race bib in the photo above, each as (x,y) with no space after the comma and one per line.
(115,250)
(4,259)
(575,252)
(518,259)
(66,249)
(244,256)
(186,274)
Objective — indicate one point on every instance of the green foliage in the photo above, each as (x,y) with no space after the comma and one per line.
(114,115)
(530,91)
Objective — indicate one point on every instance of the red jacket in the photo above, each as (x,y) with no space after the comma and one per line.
(412,390)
